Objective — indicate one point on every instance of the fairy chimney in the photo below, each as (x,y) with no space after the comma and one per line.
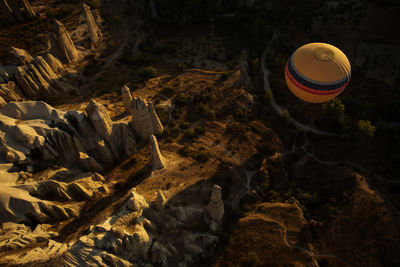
(94,31)
(215,207)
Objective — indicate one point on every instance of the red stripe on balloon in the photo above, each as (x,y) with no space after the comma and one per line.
(310,90)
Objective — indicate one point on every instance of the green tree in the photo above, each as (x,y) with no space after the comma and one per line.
(334,116)
(365,130)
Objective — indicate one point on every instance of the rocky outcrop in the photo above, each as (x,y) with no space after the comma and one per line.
(91,142)
(215,207)
(20,56)
(93,29)
(64,43)
(54,63)
(2,102)
(28,10)
(16,205)
(126,98)
(13,4)
(7,12)
(145,121)
(10,92)
(99,118)
(241,78)
(157,160)
(26,82)
(160,200)
(12,12)
(136,202)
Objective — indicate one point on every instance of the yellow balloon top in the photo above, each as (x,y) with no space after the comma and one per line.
(321,62)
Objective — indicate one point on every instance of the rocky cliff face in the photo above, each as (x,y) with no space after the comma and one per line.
(91,141)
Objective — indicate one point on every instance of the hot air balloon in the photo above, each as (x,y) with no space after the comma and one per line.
(317,72)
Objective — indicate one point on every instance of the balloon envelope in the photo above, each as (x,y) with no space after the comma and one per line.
(317,72)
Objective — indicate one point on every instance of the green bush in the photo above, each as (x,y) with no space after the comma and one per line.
(365,130)
(94,4)
(149,72)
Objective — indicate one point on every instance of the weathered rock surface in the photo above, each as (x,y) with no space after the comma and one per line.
(145,120)
(99,118)
(157,160)
(10,91)
(91,142)
(20,56)
(216,206)
(136,202)
(65,44)
(126,98)
(93,29)
(160,200)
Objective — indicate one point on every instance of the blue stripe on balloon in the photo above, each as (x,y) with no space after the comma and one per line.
(314,84)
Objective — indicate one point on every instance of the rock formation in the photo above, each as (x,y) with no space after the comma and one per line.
(91,142)
(10,92)
(126,98)
(94,31)
(28,11)
(216,206)
(145,121)
(13,4)
(65,44)
(20,56)
(54,63)
(2,102)
(99,118)
(157,160)
(12,12)
(160,200)
(241,78)
(136,202)
(7,12)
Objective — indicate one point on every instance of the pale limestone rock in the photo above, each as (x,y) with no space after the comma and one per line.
(99,118)
(65,44)
(38,78)
(10,92)
(94,31)
(79,191)
(145,121)
(52,187)
(26,82)
(157,160)
(126,98)
(160,200)
(20,56)
(54,63)
(215,207)
(136,202)
(45,69)
(2,102)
